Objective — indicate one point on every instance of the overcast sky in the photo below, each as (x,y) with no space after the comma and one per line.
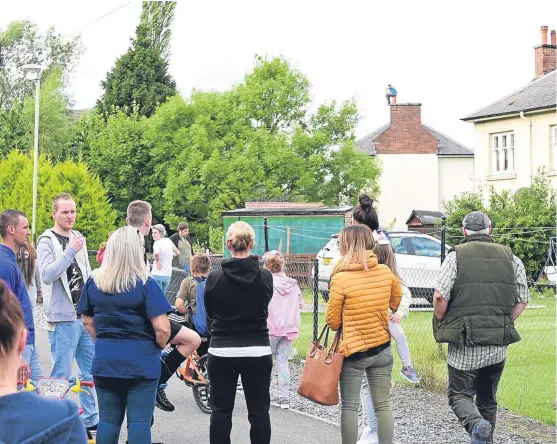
(453,58)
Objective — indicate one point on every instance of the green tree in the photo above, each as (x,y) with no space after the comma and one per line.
(95,214)
(17,123)
(119,154)
(523,221)
(21,43)
(139,81)
(157,18)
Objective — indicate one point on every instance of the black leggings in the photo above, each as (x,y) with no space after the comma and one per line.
(256,380)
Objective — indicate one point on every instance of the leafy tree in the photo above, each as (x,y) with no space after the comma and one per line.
(119,155)
(95,215)
(139,81)
(17,129)
(157,18)
(21,43)
(523,221)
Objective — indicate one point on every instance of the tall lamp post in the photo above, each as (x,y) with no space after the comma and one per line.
(34,68)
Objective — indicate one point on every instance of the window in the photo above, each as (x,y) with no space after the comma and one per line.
(398,245)
(426,247)
(553,146)
(502,159)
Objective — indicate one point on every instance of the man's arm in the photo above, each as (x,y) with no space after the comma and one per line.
(52,268)
(440,305)
(522,290)
(444,286)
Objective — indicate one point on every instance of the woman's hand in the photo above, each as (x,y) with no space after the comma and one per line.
(158,265)
(395,318)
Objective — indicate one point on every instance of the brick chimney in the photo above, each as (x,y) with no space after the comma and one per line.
(545,54)
(405,134)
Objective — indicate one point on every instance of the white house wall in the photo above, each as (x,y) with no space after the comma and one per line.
(455,177)
(524,165)
(408,182)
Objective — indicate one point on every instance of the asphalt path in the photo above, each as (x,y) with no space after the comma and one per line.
(187,424)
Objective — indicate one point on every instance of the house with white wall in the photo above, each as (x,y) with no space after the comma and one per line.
(421,167)
(516,136)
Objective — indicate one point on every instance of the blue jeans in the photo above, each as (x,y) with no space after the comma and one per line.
(31,355)
(119,396)
(71,340)
(162,282)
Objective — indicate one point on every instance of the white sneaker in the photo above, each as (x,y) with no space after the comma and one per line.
(285,405)
(368,437)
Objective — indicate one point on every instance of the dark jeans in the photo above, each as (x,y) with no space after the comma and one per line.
(119,396)
(481,383)
(256,380)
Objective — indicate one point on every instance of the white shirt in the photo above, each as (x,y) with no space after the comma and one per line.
(164,247)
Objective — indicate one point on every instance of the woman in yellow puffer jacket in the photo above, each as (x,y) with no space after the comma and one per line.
(361,293)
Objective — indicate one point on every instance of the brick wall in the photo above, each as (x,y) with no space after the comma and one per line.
(406,135)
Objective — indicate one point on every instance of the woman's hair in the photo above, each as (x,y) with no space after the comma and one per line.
(200,263)
(354,241)
(11,319)
(365,214)
(385,255)
(274,261)
(123,262)
(241,236)
(27,263)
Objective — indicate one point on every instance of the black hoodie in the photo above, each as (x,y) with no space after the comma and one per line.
(237,299)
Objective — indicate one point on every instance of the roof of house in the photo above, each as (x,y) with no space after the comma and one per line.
(536,95)
(445,146)
(426,217)
(77,113)
(308,211)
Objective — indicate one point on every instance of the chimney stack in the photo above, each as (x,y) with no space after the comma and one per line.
(544,35)
(545,55)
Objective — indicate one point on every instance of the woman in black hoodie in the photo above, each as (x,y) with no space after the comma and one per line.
(237,299)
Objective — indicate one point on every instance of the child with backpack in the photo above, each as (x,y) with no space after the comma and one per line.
(283,321)
(190,302)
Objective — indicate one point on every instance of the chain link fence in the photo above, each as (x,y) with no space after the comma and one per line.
(528,385)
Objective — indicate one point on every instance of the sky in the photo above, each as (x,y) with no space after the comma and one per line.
(453,58)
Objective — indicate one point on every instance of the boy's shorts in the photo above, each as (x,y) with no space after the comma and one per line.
(175,328)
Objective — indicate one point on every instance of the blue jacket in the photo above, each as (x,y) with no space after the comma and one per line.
(28,418)
(11,274)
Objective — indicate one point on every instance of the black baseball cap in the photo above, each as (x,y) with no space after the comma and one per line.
(476,221)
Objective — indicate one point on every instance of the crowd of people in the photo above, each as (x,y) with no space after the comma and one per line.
(114,322)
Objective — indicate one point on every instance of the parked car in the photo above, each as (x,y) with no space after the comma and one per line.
(418,258)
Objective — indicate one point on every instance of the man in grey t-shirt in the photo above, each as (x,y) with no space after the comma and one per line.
(182,241)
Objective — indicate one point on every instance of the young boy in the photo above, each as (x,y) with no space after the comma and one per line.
(189,300)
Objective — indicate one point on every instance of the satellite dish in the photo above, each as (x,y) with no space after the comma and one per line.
(522,191)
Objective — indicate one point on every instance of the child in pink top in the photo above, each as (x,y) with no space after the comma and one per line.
(283,321)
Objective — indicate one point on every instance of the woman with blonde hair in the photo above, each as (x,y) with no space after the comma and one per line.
(125,312)
(236,300)
(361,293)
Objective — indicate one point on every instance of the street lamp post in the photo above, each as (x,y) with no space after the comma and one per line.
(37,70)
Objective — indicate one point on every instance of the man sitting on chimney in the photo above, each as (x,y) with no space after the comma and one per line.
(391,92)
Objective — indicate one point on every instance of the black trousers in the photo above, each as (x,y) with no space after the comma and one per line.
(256,380)
(481,384)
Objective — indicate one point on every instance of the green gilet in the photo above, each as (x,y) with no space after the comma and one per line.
(483,296)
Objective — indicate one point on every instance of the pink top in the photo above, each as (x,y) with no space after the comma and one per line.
(285,306)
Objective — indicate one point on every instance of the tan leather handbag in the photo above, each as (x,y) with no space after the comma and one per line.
(321,373)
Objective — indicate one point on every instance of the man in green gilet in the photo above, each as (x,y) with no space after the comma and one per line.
(480,292)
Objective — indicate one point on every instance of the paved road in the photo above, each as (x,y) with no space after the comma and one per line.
(187,424)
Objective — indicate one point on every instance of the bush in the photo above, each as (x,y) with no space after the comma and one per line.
(95,214)
(523,221)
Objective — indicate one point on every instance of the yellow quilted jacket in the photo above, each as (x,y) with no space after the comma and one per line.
(359,302)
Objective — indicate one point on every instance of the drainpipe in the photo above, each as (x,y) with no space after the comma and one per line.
(530,146)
